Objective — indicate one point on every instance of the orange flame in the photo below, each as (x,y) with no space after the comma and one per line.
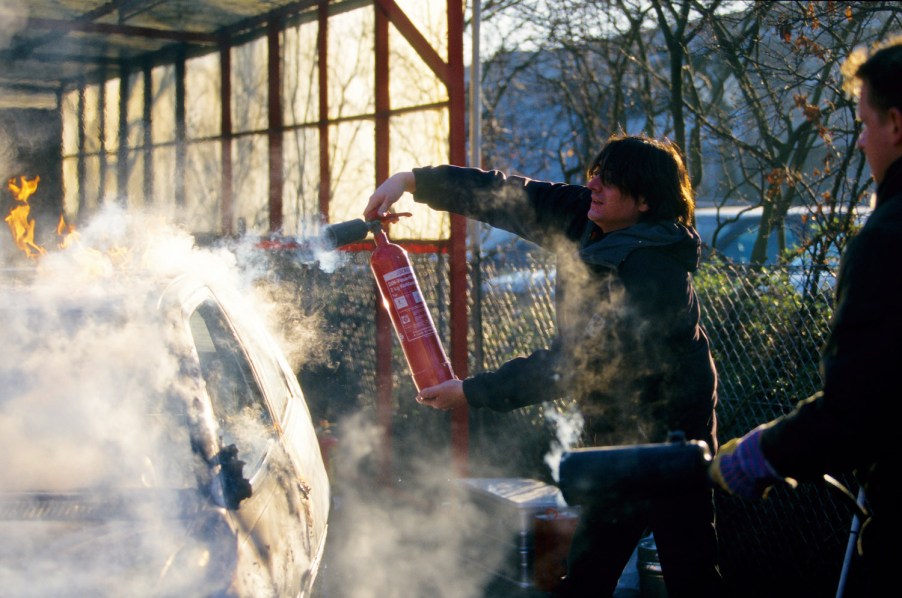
(19,219)
(21,224)
(66,232)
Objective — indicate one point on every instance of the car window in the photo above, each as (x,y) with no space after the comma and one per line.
(238,403)
(272,373)
(736,238)
(739,242)
(705,225)
(739,228)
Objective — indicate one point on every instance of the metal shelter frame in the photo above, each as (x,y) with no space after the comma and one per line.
(110,44)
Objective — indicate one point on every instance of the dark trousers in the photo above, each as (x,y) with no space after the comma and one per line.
(607,535)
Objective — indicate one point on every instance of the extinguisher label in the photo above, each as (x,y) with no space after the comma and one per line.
(408,302)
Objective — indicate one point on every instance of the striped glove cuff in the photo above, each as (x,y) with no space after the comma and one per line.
(744,469)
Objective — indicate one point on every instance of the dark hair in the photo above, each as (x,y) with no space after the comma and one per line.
(647,168)
(882,72)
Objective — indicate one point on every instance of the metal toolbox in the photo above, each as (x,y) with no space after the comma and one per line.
(506,526)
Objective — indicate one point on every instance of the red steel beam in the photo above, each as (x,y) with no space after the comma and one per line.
(274,80)
(227,217)
(181,128)
(460,426)
(81,166)
(419,43)
(146,124)
(384,386)
(101,134)
(322,49)
(122,166)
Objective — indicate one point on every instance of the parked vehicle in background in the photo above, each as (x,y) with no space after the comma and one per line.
(811,241)
(154,442)
(732,230)
(810,247)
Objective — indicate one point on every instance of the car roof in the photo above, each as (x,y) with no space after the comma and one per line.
(746,211)
(737,226)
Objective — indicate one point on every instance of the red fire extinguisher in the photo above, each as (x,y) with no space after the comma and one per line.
(409,313)
(401,297)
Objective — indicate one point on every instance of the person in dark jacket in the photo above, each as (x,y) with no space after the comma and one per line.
(851,424)
(629,347)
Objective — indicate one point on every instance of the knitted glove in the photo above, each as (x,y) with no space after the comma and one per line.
(740,468)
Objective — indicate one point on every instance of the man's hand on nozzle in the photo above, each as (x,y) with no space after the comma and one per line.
(740,468)
(388,193)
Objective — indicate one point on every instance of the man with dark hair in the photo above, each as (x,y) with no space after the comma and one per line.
(852,423)
(629,346)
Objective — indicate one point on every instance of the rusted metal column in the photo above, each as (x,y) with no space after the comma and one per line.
(322,50)
(460,421)
(122,168)
(181,128)
(101,123)
(80,166)
(227,199)
(384,387)
(274,80)
(146,122)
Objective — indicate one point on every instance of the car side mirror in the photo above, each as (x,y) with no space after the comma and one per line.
(229,486)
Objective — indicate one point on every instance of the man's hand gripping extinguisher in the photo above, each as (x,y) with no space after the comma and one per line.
(402,298)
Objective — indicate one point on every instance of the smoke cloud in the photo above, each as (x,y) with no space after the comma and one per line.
(415,540)
(568,427)
(13,20)
(86,391)
(98,480)
(7,159)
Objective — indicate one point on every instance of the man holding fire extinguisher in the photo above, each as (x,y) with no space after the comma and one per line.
(629,346)
(850,425)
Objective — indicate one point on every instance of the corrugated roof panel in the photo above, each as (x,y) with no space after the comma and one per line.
(55,43)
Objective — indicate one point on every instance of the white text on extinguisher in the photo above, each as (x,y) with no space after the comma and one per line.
(405,295)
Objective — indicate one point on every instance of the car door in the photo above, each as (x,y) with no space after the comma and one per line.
(275,521)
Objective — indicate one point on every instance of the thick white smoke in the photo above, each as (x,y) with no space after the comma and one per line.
(13,20)
(87,387)
(568,426)
(424,538)
(81,378)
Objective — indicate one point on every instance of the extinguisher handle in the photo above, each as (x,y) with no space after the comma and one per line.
(392,217)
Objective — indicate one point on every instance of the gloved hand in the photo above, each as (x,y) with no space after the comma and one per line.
(740,468)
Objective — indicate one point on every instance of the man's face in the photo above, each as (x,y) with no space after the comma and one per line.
(611,209)
(880,137)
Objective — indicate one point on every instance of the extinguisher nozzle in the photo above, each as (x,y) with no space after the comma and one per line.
(343,233)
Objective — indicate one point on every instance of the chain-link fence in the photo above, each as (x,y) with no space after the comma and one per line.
(767,328)
(766,333)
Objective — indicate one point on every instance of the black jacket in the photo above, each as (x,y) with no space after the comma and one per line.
(853,423)
(629,344)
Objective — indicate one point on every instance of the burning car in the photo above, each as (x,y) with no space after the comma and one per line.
(153,441)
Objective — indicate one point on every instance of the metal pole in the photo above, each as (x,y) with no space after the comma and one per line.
(457,100)
(476,161)
(276,129)
(227,205)
(384,335)
(850,547)
(476,91)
